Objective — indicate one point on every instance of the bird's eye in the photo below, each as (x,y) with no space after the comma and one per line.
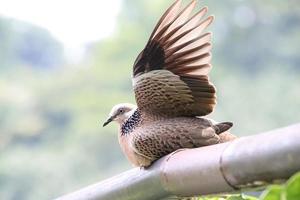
(121,111)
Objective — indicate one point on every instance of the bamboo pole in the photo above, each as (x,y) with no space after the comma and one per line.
(244,163)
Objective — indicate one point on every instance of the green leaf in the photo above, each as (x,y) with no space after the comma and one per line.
(229,197)
(293,187)
(273,192)
(241,197)
(211,198)
(246,197)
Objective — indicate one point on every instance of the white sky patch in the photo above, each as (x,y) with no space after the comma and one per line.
(74,23)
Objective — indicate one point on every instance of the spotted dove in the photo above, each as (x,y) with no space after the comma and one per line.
(172,90)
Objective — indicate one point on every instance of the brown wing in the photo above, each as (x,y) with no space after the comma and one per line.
(170,74)
(161,138)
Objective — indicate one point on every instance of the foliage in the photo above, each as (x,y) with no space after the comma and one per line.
(229,197)
(26,44)
(288,191)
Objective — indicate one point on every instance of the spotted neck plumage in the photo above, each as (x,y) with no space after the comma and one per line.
(131,123)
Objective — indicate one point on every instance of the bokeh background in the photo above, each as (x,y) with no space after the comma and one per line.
(64,64)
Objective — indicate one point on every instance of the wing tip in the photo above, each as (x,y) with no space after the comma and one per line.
(210,19)
(203,10)
(194,2)
(177,2)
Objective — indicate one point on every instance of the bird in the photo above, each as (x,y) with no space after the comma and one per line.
(172,90)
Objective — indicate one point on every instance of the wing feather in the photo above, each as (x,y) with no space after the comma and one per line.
(170,75)
(164,137)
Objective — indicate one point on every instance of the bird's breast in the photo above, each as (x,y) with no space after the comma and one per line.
(131,155)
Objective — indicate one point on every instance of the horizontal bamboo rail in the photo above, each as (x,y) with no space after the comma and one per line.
(247,162)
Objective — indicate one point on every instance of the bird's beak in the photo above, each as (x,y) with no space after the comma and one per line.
(108,121)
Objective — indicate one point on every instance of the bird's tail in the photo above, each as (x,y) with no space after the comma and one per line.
(222,127)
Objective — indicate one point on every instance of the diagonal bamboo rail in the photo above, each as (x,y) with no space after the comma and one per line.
(244,163)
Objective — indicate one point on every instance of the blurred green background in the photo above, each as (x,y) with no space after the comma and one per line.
(51,110)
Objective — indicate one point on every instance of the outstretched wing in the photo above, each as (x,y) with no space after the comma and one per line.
(170,74)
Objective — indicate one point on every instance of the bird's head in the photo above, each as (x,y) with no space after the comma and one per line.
(120,113)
